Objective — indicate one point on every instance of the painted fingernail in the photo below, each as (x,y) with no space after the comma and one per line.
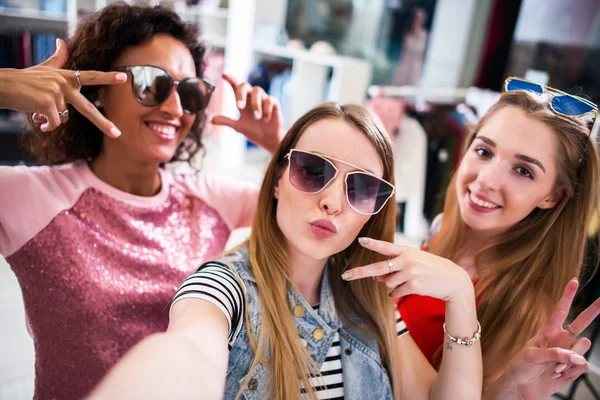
(240,104)
(560,368)
(556,376)
(577,359)
(115,132)
(257,115)
(346,275)
(121,77)
(363,240)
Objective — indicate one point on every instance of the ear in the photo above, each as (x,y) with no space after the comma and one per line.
(552,200)
(276,191)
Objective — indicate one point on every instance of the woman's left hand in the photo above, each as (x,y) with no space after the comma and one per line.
(260,115)
(553,358)
(414,271)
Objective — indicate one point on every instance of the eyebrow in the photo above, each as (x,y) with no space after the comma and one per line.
(519,156)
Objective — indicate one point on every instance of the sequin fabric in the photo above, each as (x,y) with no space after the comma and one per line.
(107,281)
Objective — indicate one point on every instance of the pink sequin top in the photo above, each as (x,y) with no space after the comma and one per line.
(99,267)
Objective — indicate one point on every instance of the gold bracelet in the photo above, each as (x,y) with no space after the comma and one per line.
(469,342)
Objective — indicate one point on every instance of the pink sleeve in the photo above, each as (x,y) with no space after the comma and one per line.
(234,200)
(30,197)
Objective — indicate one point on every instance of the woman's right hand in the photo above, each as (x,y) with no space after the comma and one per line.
(46,89)
(414,271)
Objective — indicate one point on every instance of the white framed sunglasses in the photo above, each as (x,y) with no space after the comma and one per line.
(311,173)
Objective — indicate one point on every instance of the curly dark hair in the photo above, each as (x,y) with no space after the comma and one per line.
(98,41)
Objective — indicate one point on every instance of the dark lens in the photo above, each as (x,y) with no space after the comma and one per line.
(571,106)
(367,193)
(308,172)
(517,84)
(151,85)
(194,94)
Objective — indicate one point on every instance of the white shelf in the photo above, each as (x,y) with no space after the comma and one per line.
(19,18)
(215,40)
(203,11)
(305,55)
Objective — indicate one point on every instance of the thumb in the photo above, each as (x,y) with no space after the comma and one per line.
(224,121)
(59,58)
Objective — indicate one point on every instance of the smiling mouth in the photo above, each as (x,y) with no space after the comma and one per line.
(482,203)
(168,132)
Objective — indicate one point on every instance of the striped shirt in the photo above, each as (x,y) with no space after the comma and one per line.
(216,283)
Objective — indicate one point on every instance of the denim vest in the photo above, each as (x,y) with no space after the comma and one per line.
(364,375)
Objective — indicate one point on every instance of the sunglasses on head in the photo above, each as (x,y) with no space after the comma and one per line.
(153,85)
(311,173)
(562,103)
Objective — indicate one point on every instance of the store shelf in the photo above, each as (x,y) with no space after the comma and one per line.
(305,55)
(18,18)
(215,40)
(204,11)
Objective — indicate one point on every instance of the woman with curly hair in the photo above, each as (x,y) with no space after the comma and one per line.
(101,236)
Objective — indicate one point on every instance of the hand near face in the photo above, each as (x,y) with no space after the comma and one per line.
(552,359)
(260,115)
(46,89)
(414,271)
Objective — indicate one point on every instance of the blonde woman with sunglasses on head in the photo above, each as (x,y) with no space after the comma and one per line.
(516,216)
(276,319)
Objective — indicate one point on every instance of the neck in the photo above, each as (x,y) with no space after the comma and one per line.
(473,241)
(306,274)
(127,174)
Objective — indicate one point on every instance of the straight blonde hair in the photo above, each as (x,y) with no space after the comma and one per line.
(533,260)
(278,344)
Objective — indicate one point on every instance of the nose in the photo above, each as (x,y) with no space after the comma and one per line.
(491,175)
(172,105)
(333,196)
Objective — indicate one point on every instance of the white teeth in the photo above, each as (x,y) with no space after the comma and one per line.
(167,130)
(480,202)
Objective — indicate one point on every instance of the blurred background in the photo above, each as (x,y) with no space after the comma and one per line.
(429,68)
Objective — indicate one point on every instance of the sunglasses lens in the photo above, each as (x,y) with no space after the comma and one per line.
(151,85)
(366,193)
(571,106)
(517,84)
(194,94)
(310,173)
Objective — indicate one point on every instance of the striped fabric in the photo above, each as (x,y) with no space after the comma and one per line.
(215,283)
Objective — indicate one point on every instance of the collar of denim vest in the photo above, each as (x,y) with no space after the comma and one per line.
(324,318)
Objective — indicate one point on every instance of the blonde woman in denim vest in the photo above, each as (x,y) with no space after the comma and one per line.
(280,318)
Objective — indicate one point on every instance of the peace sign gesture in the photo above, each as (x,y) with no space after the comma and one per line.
(552,359)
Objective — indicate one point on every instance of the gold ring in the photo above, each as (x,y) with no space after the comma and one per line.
(570,329)
(390,265)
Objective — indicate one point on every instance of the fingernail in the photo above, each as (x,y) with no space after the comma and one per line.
(257,115)
(560,368)
(346,275)
(556,376)
(240,104)
(575,279)
(363,240)
(115,132)
(121,77)
(57,45)
(577,359)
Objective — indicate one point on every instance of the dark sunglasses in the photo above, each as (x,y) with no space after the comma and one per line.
(153,85)
(562,103)
(311,173)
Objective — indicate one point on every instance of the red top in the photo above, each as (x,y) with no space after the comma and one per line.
(424,317)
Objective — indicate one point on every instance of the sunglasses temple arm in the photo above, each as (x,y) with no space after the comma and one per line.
(595,127)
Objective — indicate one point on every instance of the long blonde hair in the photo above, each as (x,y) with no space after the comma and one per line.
(278,339)
(535,258)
